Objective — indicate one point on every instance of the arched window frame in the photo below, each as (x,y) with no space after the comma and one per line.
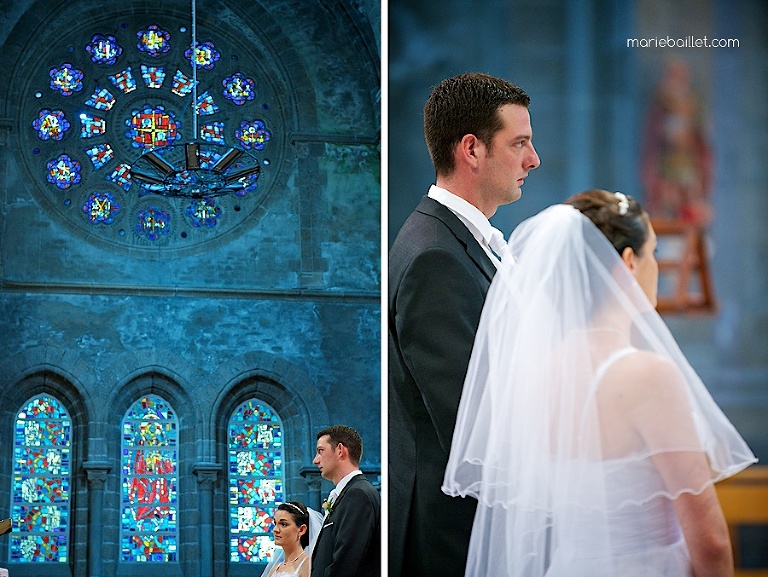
(42,482)
(256,479)
(149,482)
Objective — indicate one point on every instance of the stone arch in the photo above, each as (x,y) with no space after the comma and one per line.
(288,390)
(44,378)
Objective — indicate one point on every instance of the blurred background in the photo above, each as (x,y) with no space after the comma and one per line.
(684,129)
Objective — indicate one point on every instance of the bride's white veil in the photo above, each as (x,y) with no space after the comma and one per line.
(315,524)
(539,440)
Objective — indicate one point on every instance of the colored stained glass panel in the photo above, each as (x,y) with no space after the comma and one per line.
(244,549)
(40,487)
(149,519)
(182,84)
(253,134)
(41,460)
(40,519)
(100,155)
(104,49)
(152,127)
(203,213)
(124,80)
(153,76)
(101,99)
(154,40)
(39,549)
(50,124)
(153,223)
(121,176)
(255,442)
(205,105)
(101,208)
(91,126)
(239,89)
(63,171)
(66,79)
(206,55)
(149,548)
(149,483)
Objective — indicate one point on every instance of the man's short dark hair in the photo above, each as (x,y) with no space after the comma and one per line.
(348,437)
(465,104)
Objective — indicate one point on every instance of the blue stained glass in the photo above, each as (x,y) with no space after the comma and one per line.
(203,213)
(40,518)
(205,56)
(153,222)
(152,127)
(255,480)
(149,483)
(63,171)
(121,176)
(239,89)
(205,105)
(149,519)
(124,80)
(101,208)
(181,84)
(66,79)
(153,76)
(40,485)
(101,99)
(154,40)
(251,548)
(104,49)
(91,126)
(39,548)
(41,460)
(100,155)
(213,132)
(145,548)
(253,134)
(50,124)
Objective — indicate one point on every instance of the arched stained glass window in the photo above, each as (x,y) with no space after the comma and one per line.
(149,473)
(41,482)
(255,438)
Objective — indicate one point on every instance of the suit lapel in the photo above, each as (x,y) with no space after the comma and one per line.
(475,252)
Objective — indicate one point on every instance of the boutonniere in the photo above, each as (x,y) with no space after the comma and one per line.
(328,504)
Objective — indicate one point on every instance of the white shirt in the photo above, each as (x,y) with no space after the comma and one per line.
(480,227)
(343,483)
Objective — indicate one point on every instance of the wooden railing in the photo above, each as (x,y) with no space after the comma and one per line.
(744,498)
(688,270)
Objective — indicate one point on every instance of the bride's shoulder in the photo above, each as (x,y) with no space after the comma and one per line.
(648,372)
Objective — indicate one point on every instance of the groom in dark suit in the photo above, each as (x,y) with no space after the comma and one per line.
(349,543)
(478,132)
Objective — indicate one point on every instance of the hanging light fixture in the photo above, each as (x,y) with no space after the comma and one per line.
(194,169)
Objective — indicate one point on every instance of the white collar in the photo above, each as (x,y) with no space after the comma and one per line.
(336,491)
(469,214)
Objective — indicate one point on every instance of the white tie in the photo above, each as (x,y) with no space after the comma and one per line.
(497,243)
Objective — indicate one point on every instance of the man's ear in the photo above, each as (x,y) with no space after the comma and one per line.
(344,454)
(467,148)
(628,256)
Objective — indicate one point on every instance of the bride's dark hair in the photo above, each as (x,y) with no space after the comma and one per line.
(300,515)
(603,208)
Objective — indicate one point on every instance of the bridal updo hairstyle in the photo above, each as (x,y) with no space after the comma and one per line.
(300,516)
(603,208)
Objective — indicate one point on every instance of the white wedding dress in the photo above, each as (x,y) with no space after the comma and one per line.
(561,433)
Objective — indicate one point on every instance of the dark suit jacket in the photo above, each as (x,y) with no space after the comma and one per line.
(349,544)
(438,278)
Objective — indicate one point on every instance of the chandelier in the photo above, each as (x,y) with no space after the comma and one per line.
(195,169)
